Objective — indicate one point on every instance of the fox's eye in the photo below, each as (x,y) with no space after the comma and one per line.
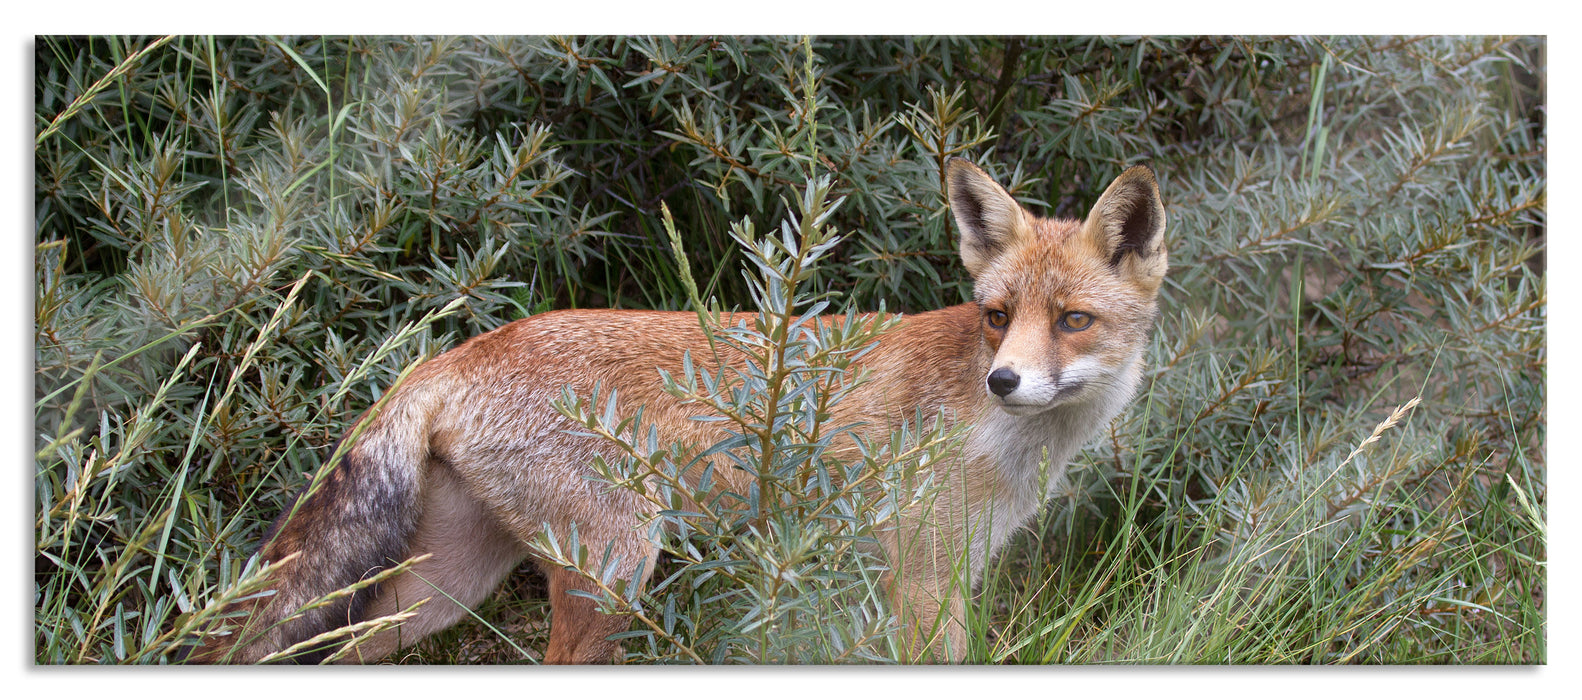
(998,318)
(1076,321)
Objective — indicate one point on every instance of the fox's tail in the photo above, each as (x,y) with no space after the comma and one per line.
(356,523)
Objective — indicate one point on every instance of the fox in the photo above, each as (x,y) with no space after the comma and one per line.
(467,462)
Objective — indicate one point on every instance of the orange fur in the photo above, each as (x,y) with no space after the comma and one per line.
(467,460)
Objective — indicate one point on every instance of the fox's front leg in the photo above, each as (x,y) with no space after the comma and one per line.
(932,612)
(928,583)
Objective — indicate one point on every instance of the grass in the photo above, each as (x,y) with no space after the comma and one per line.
(1114,586)
(240,243)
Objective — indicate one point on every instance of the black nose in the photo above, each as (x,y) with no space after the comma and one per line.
(1003,381)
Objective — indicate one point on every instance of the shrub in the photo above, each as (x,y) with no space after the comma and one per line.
(241,243)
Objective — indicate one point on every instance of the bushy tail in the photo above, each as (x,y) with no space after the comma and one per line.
(356,523)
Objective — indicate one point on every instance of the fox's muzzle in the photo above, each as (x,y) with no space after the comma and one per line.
(1003,381)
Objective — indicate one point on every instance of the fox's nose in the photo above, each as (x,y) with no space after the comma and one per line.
(1003,381)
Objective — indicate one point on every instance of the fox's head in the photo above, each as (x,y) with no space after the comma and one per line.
(1066,305)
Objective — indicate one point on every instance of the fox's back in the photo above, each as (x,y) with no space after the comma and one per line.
(498,389)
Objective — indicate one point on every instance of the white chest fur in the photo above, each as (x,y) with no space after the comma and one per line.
(1030,454)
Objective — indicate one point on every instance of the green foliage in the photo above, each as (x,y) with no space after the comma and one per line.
(242,242)
(785,572)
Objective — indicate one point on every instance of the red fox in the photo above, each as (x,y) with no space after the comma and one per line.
(467,461)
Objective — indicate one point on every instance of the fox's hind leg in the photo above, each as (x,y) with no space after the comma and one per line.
(548,484)
(609,529)
(578,632)
(471,553)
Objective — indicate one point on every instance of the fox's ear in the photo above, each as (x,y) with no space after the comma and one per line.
(1128,225)
(990,220)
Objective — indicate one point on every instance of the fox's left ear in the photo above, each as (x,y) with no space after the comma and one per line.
(1128,225)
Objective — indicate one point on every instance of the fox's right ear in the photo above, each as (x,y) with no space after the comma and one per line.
(990,220)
